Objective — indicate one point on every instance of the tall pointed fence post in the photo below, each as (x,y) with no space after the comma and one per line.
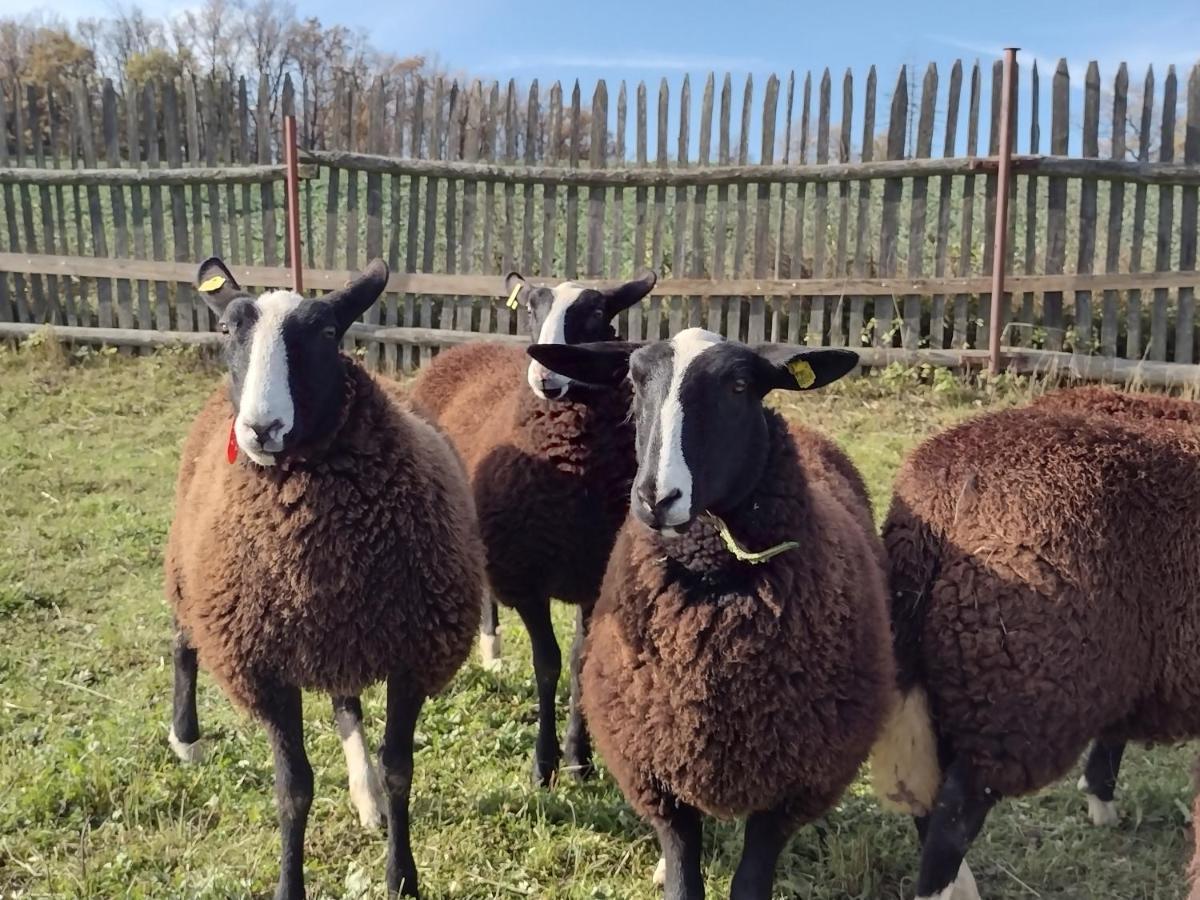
(293,201)
(1000,257)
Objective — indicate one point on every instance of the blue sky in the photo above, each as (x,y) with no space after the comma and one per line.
(644,39)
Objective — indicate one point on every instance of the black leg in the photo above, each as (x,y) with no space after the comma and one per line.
(547,666)
(365,791)
(284,718)
(577,746)
(958,814)
(185,725)
(680,836)
(1099,779)
(396,761)
(489,632)
(767,834)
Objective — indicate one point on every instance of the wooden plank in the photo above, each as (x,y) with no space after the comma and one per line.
(836,336)
(528,219)
(150,134)
(213,145)
(1088,202)
(246,154)
(700,218)
(984,326)
(133,140)
(1166,220)
(333,185)
(53,311)
(596,196)
(757,324)
(1109,324)
(263,130)
(889,222)
(489,286)
(733,319)
(617,236)
(1056,207)
(816,315)
(1024,335)
(116,196)
(856,335)
(10,301)
(353,213)
(432,189)
(417,135)
(66,289)
(287,107)
(1133,339)
(716,306)
(392,302)
(781,262)
(95,213)
(1185,328)
(377,142)
(571,260)
(29,308)
(961,329)
(510,206)
(654,317)
(675,321)
(797,268)
(473,117)
(192,124)
(910,331)
(185,319)
(637,312)
(450,231)
(937,316)
(489,124)
(550,192)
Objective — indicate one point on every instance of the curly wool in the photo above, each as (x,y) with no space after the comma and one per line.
(330,572)
(551,478)
(1044,579)
(735,688)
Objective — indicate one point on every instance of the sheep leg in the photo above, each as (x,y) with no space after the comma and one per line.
(680,835)
(547,666)
(1099,781)
(396,762)
(365,791)
(489,633)
(767,833)
(577,746)
(283,715)
(957,816)
(185,725)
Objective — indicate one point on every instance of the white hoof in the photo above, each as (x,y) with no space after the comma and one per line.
(1102,812)
(963,888)
(489,651)
(188,753)
(660,872)
(366,793)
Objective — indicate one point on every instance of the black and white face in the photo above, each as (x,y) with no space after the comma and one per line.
(571,314)
(282,352)
(702,437)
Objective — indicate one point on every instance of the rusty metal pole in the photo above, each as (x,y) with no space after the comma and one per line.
(293,201)
(1000,256)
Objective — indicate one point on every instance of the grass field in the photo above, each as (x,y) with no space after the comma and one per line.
(93,804)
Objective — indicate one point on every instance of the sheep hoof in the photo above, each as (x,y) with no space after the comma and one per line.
(545,772)
(489,651)
(660,873)
(367,796)
(1103,812)
(188,753)
(962,888)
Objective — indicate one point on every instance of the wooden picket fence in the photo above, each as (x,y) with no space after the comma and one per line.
(823,233)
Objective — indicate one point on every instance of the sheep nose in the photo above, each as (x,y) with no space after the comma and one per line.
(653,504)
(264,433)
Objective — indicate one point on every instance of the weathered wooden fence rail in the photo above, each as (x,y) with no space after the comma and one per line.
(827,231)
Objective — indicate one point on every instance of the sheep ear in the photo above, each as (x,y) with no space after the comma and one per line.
(621,298)
(514,285)
(216,284)
(356,297)
(790,369)
(602,363)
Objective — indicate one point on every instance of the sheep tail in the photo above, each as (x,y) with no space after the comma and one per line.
(905,773)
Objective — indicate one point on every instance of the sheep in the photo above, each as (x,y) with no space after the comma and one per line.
(1043,575)
(324,538)
(738,666)
(550,464)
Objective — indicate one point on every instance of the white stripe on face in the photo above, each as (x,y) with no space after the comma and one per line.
(554,331)
(266,395)
(673,473)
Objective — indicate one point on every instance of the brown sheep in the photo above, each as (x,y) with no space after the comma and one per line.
(1043,577)
(324,539)
(550,464)
(719,680)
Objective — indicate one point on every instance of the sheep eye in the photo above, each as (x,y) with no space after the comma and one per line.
(329,331)
(224,326)
(739,385)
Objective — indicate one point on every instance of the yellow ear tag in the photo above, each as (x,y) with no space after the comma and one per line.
(211,284)
(511,302)
(803,373)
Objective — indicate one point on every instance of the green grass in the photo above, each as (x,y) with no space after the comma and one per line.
(93,804)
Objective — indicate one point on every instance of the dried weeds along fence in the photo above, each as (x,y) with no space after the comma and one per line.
(833,232)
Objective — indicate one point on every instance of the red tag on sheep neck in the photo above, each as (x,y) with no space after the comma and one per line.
(231,448)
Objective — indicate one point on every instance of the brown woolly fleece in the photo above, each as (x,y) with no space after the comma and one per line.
(334,569)
(1045,581)
(551,478)
(736,688)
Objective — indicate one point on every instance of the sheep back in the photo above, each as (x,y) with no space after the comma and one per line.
(332,573)
(732,687)
(1044,579)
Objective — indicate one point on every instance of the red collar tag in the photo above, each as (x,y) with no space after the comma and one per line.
(231,449)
